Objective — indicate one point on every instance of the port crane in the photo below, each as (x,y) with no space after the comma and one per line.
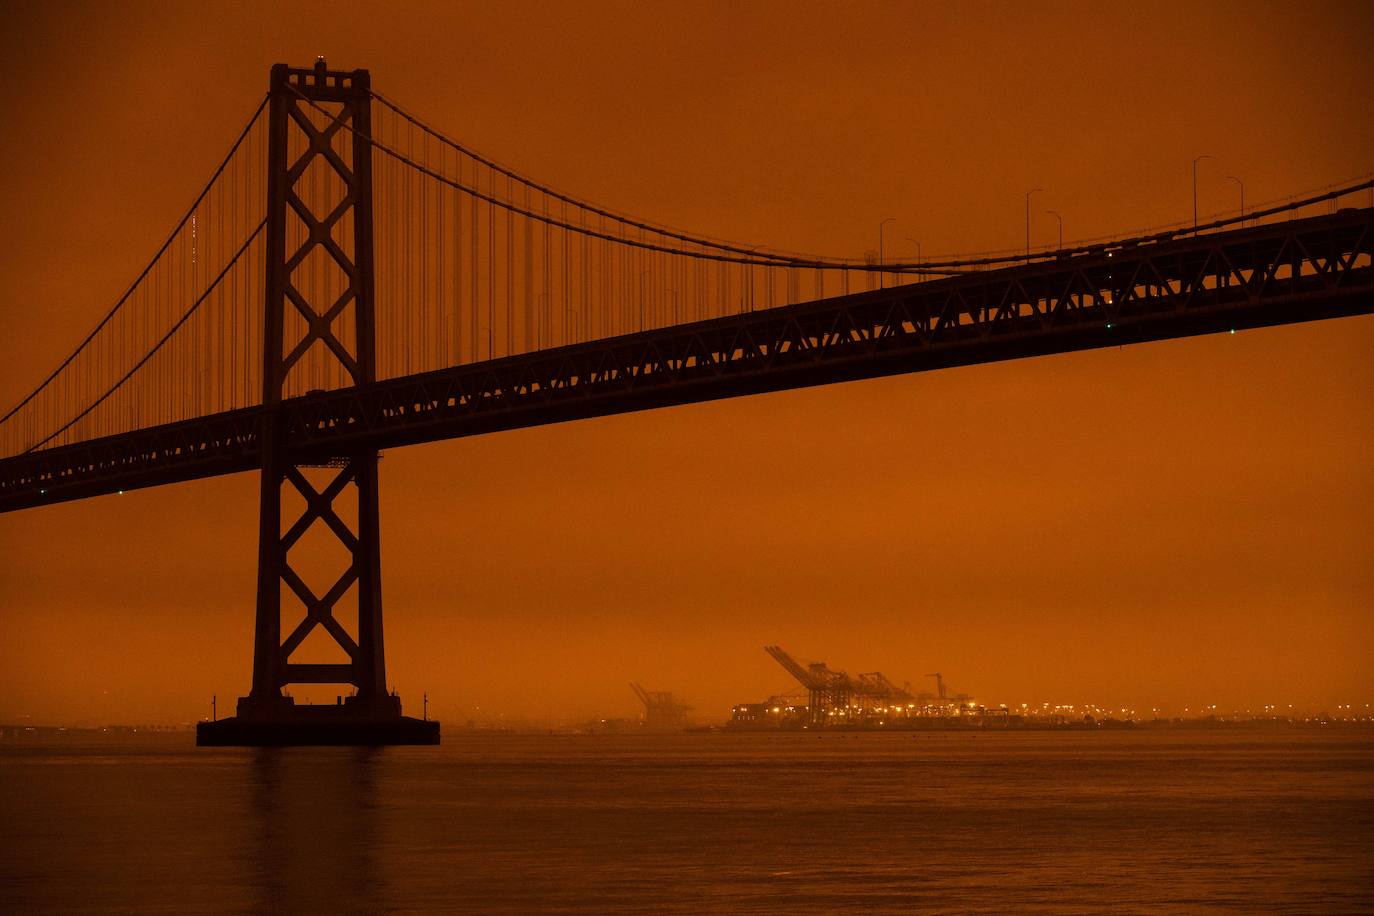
(836,691)
(943,694)
(662,712)
(939,684)
(876,685)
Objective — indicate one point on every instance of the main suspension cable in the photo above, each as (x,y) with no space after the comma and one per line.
(761,260)
(950,266)
(624,219)
(190,211)
(214,284)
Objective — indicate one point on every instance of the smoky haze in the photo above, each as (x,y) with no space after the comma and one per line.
(1171,525)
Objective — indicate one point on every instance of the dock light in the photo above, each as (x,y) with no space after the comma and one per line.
(1109,325)
(1233,330)
(121,492)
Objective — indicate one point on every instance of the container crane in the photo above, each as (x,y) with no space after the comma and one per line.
(939,684)
(662,712)
(945,698)
(826,690)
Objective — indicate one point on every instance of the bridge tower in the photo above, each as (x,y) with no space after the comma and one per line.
(318,119)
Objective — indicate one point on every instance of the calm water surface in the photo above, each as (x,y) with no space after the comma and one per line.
(1048,822)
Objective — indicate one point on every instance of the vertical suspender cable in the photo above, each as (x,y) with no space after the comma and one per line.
(441,251)
(491,266)
(474,232)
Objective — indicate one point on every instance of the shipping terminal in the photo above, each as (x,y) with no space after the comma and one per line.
(832,699)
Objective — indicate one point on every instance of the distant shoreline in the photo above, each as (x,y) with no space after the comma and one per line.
(11,731)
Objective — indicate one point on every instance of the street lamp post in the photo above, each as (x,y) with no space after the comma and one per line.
(880,248)
(1055,214)
(1028,197)
(1196,160)
(918,252)
(1242,197)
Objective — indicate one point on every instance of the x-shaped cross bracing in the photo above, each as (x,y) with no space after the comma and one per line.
(320,233)
(319,611)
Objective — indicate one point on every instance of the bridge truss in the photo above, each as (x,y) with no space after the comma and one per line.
(1300,270)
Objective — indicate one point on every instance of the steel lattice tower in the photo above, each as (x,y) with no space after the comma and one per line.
(299,100)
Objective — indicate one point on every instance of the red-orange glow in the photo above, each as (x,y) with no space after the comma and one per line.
(1170,525)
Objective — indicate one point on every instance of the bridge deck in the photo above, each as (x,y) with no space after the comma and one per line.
(1301,270)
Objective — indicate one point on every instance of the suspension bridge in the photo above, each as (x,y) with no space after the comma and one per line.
(352,279)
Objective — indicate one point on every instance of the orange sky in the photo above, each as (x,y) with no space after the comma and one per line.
(1165,525)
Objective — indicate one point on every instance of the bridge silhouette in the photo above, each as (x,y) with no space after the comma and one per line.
(351,279)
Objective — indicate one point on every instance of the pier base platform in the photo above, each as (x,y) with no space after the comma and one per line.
(284,724)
